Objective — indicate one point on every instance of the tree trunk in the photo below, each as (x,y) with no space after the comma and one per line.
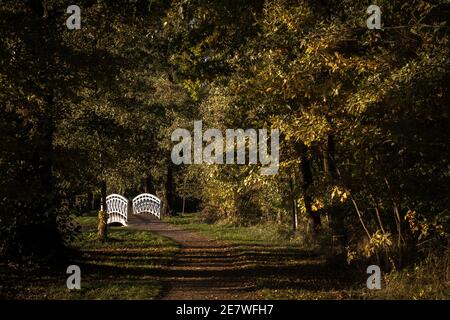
(335,212)
(293,206)
(44,166)
(89,201)
(103,217)
(169,190)
(305,169)
(103,195)
(96,203)
(329,165)
(149,185)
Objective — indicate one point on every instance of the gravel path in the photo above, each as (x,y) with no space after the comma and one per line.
(202,269)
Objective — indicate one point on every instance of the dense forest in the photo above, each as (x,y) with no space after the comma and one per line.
(362,113)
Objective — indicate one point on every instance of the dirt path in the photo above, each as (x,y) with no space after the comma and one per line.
(203,268)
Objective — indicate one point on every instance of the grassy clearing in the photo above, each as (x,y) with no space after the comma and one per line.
(125,267)
(238,235)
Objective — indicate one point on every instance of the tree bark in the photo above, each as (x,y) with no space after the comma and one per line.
(103,218)
(314,218)
(293,206)
(335,213)
(148,187)
(305,169)
(169,190)
(90,201)
(329,165)
(44,167)
(103,195)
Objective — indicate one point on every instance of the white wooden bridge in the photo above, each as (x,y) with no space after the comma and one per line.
(117,207)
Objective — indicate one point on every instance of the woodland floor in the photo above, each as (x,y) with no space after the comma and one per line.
(205,268)
(182,258)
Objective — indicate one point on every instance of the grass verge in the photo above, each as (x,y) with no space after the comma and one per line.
(234,234)
(124,267)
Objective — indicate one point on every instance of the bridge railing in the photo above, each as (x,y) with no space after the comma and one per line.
(147,203)
(117,209)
